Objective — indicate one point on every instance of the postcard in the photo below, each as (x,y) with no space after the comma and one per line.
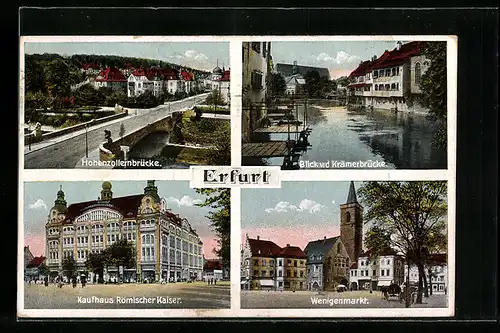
(183,177)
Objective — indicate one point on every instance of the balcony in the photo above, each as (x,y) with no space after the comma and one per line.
(363,93)
(386,93)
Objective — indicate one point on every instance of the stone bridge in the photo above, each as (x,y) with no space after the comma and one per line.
(114,151)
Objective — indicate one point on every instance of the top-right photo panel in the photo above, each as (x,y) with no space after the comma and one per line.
(345,104)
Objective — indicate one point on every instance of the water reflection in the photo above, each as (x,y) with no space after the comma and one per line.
(402,140)
(154,147)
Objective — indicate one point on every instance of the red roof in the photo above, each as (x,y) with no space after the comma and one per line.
(263,248)
(292,252)
(226,75)
(389,58)
(35,262)
(151,73)
(398,57)
(111,74)
(362,69)
(212,264)
(127,206)
(187,76)
(354,265)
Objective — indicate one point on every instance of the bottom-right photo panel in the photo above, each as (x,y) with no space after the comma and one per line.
(345,244)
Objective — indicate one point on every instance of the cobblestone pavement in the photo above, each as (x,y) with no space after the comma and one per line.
(351,299)
(174,295)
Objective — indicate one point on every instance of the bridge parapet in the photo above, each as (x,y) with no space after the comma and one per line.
(131,139)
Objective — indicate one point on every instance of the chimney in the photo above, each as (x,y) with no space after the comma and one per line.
(287,245)
(324,237)
(258,237)
(398,45)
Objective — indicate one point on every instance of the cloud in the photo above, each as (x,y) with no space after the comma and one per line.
(39,204)
(339,59)
(305,205)
(185,201)
(195,55)
(194,59)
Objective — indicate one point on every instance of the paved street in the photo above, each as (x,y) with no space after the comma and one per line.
(67,153)
(196,295)
(351,299)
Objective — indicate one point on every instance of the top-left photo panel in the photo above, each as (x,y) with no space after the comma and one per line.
(128,104)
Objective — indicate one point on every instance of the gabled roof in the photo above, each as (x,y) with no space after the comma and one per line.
(263,248)
(362,69)
(398,57)
(151,73)
(187,76)
(292,252)
(36,262)
(111,74)
(320,246)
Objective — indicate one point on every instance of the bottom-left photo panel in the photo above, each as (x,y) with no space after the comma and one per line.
(124,245)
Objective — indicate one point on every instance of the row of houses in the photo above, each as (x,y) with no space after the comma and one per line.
(387,82)
(326,264)
(158,81)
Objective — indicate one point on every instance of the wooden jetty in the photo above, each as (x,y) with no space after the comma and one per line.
(264,149)
(279,129)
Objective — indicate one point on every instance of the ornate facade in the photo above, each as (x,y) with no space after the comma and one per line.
(166,246)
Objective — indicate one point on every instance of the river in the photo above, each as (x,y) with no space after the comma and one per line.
(400,141)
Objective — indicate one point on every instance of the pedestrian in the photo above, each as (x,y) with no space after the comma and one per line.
(73,280)
(215,281)
(60,282)
(46,281)
(84,280)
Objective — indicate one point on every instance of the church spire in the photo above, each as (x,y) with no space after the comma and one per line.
(152,190)
(351,197)
(60,202)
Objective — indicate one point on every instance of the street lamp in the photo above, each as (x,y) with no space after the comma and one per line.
(86,142)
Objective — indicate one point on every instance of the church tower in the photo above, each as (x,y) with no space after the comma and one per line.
(351,225)
(60,203)
(106,193)
(152,190)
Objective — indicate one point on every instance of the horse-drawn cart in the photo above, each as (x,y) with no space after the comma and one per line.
(396,292)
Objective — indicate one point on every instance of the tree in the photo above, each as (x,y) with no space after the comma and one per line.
(146,100)
(313,83)
(43,270)
(95,263)
(33,75)
(405,216)
(221,154)
(57,78)
(86,95)
(276,84)
(69,266)
(120,253)
(220,219)
(433,82)
(215,98)
(342,81)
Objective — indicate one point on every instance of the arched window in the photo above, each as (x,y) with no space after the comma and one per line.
(418,73)
(376,87)
(339,247)
(393,86)
(348,217)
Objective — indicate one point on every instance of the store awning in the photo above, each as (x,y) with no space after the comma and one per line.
(266,283)
(384,283)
